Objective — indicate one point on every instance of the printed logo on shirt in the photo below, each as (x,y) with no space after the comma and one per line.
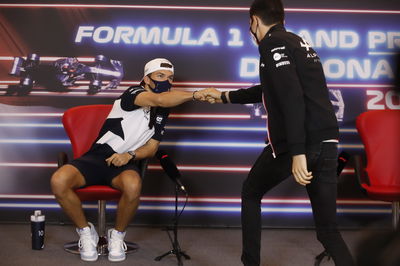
(278,48)
(159,119)
(312,55)
(262,65)
(146,113)
(279,56)
(283,63)
(305,45)
(134,90)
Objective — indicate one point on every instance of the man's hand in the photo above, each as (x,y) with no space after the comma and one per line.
(118,159)
(211,95)
(299,170)
(199,95)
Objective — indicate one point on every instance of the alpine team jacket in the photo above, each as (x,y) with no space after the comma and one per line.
(294,93)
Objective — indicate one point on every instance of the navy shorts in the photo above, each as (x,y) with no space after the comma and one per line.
(94,168)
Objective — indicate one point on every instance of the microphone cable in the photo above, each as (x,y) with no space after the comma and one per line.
(183,208)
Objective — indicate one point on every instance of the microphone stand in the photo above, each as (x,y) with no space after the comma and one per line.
(176,249)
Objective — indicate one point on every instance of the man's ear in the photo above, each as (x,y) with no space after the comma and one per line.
(147,80)
(257,20)
(252,20)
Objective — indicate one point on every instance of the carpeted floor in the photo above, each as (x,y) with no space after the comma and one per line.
(207,247)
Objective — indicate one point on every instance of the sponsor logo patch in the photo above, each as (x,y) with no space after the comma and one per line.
(278,48)
(283,63)
(312,55)
(134,90)
(306,45)
(277,56)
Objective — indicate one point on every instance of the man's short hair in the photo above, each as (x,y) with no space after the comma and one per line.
(269,11)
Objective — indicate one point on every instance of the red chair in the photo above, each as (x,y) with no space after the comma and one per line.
(380,133)
(82,125)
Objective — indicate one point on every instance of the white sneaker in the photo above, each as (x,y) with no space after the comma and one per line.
(88,239)
(116,245)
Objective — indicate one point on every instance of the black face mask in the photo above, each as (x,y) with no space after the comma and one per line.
(161,86)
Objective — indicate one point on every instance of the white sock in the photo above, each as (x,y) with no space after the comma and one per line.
(84,229)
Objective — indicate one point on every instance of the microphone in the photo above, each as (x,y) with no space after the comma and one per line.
(342,161)
(170,169)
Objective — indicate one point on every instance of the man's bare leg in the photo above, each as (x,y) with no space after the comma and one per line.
(130,184)
(63,182)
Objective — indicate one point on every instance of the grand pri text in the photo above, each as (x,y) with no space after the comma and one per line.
(368,60)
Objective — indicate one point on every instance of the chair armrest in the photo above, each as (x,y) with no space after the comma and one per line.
(142,165)
(62,159)
(359,169)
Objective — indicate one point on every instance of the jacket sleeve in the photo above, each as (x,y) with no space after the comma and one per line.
(287,89)
(244,96)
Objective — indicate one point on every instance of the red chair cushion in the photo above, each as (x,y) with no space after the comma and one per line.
(98,193)
(384,193)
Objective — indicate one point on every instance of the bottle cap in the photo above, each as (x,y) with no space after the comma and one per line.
(37,216)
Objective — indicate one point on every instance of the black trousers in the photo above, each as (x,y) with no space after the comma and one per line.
(268,172)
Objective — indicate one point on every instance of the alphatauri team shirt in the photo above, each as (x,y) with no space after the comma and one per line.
(129,126)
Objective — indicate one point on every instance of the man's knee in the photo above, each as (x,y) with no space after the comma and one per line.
(62,180)
(248,191)
(131,186)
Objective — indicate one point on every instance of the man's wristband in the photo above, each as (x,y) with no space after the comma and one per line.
(133,154)
(223,97)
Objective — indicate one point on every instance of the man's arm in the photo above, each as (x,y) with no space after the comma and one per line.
(241,96)
(245,96)
(148,150)
(166,99)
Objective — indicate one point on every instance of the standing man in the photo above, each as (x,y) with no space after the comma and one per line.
(302,131)
(132,131)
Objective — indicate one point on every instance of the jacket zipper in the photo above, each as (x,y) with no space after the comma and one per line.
(268,135)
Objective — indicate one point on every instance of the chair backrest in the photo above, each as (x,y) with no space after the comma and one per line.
(380,133)
(83,124)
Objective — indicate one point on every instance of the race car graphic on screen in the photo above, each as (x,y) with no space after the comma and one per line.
(64,72)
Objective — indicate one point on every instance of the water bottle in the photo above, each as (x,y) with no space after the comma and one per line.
(37,230)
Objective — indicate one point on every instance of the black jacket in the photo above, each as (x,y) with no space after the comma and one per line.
(294,93)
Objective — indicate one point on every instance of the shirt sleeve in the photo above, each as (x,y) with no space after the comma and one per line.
(286,86)
(244,96)
(128,98)
(159,125)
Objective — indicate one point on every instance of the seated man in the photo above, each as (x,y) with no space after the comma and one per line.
(132,131)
